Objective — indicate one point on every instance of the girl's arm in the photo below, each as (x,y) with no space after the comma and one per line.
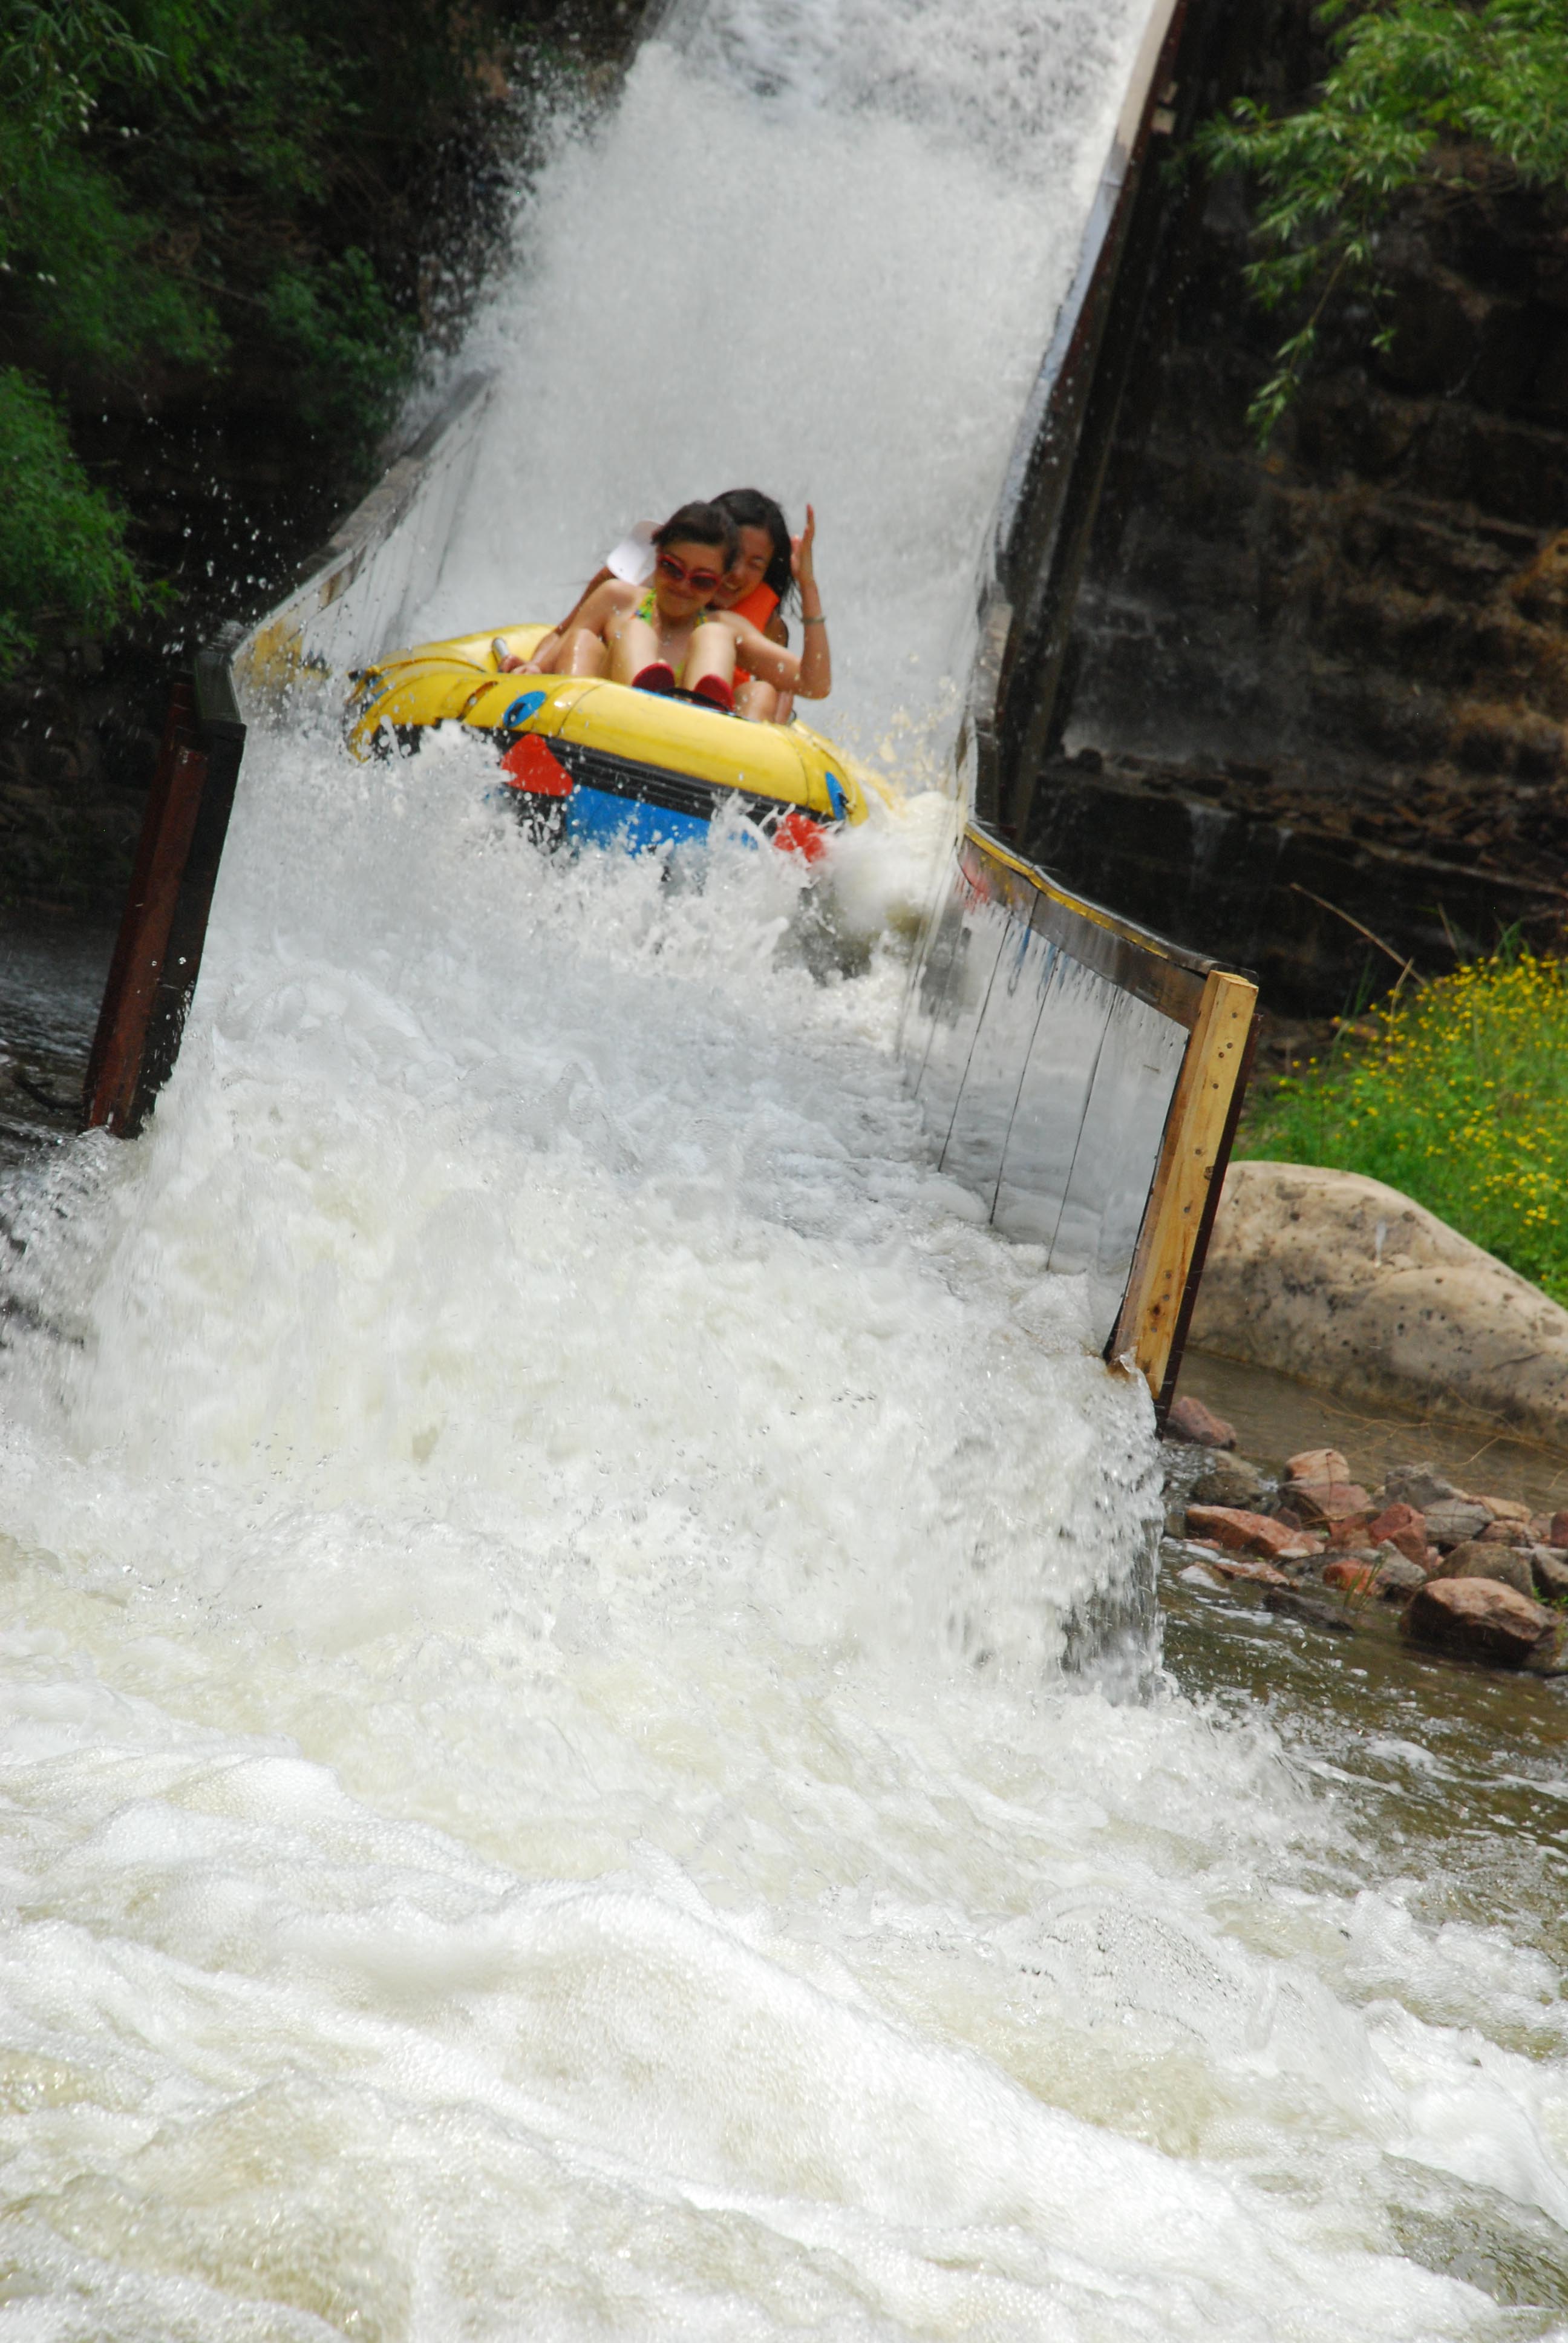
(539,660)
(758,655)
(574,616)
(543,653)
(810,675)
(816,658)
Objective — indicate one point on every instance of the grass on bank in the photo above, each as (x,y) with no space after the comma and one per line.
(1459,1097)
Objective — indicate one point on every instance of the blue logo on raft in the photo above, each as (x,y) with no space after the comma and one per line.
(836,797)
(521,710)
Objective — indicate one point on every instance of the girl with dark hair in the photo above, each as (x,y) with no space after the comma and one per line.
(759,582)
(672,636)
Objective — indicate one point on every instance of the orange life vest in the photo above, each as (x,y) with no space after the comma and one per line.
(759,606)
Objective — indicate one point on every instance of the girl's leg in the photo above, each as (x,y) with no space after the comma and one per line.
(711,666)
(633,648)
(581,653)
(712,653)
(756,701)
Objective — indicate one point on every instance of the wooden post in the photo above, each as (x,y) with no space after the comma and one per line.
(180,731)
(119,1044)
(1185,1187)
(157,952)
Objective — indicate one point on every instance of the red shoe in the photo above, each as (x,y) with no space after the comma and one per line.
(658,676)
(716,692)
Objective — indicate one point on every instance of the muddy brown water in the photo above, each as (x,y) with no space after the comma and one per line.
(1275,1416)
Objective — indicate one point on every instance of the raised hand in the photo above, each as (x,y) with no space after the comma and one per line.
(801,551)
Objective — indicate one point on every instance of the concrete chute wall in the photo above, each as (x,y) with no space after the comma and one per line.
(380,566)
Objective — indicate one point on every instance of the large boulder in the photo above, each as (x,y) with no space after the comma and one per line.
(1477,1619)
(1504,1563)
(1339,1280)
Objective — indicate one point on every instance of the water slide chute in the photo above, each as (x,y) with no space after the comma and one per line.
(1080,1074)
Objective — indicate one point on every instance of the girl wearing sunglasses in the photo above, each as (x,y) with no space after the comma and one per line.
(671,635)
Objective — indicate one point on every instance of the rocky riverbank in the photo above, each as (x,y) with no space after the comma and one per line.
(1467,1575)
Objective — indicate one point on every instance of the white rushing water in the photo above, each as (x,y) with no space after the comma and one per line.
(541,1794)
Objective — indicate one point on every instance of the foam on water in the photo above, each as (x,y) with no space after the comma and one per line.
(538,1535)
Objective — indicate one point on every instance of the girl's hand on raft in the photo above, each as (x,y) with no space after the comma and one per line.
(800,549)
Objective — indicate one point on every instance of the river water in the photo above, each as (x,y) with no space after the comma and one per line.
(556,1780)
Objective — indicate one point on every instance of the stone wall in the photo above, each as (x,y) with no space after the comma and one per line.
(1323,689)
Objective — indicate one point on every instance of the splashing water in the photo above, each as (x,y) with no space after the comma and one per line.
(541,1796)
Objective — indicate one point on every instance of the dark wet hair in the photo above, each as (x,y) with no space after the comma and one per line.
(750,509)
(702,524)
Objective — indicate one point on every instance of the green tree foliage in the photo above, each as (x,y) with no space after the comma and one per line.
(1422,93)
(207,198)
(61,543)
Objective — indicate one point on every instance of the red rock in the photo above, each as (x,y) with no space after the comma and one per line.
(1402,1526)
(1318,1465)
(1330,1501)
(1505,1509)
(1477,1619)
(1351,1577)
(1190,1419)
(1509,1533)
(1244,1533)
(1261,1573)
(1557,1531)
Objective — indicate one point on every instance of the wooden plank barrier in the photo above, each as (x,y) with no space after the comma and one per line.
(158,950)
(1184,1194)
(1084,1077)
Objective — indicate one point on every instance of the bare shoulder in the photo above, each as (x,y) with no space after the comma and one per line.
(607,600)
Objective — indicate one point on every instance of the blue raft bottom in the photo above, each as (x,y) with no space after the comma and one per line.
(629,822)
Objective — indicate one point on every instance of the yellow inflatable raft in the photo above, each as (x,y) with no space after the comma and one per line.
(593,760)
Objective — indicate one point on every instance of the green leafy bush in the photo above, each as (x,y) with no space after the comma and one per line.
(1460,1099)
(354,350)
(1417,88)
(208,201)
(62,542)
